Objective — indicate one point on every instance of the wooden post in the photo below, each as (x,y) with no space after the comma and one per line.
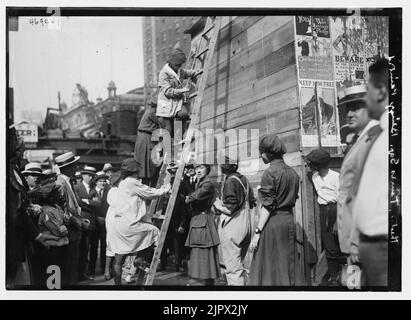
(317,113)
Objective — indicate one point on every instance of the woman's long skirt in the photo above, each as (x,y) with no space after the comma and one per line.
(204,263)
(142,154)
(273,262)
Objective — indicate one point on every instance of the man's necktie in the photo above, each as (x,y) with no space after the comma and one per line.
(354,139)
(351,143)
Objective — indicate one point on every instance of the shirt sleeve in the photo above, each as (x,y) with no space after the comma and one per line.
(268,191)
(148,193)
(316,181)
(337,181)
(166,85)
(205,191)
(318,184)
(251,198)
(153,118)
(187,73)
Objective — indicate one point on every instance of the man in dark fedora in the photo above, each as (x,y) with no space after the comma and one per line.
(82,192)
(67,165)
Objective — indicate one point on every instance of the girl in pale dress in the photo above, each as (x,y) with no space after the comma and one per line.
(131,231)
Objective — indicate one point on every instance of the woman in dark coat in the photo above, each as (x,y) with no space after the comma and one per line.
(142,150)
(202,235)
(274,237)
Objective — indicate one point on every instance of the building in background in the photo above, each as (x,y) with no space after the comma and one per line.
(160,36)
(88,119)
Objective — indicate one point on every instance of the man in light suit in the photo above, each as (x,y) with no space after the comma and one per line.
(360,124)
(67,165)
(370,209)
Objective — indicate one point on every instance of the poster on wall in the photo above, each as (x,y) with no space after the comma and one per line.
(348,49)
(319,114)
(357,43)
(375,39)
(336,52)
(313,47)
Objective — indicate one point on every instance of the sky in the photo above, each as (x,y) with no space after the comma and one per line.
(86,50)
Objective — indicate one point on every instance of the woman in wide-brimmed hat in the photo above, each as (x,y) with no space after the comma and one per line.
(129,230)
(202,235)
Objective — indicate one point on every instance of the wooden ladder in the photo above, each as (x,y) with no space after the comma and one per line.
(203,56)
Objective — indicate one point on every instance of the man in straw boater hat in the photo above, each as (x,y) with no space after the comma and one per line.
(67,166)
(108,170)
(33,174)
(78,177)
(360,124)
(82,192)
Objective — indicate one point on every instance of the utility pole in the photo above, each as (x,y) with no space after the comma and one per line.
(59,100)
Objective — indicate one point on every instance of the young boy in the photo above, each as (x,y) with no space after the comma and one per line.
(326,183)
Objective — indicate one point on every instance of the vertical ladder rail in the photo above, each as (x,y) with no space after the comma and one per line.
(213,25)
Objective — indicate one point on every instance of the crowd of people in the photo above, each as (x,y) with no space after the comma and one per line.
(71,215)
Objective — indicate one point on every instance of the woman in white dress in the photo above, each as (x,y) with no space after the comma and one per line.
(130,231)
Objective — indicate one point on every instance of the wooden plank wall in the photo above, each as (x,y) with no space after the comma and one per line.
(252,84)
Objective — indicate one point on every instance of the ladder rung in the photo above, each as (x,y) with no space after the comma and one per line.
(160,217)
(194,94)
(207,31)
(201,53)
